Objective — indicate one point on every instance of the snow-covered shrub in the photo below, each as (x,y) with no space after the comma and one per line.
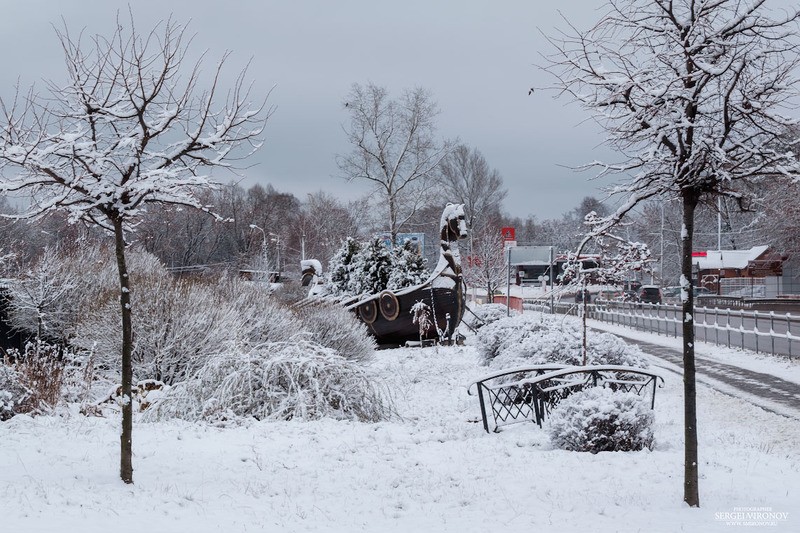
(177,325)
(536,338)
(504,334)
(15,397)
(63,286)
(598,419)
(334,327)
(32,380)
(41,297)
(275,381)
(421,313)
(485,314)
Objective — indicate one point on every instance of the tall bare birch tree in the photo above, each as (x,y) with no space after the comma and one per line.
(466,178)
(394,148)
(129,127)
(694,95)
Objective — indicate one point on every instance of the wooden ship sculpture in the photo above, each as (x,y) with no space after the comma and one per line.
(389,315)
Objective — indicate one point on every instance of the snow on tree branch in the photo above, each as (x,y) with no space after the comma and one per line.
(692,94)
(126,128)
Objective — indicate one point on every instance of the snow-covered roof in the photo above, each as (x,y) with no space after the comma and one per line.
(719,259)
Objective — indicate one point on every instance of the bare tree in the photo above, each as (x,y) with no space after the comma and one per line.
(324,223)
(615,259)
(394,148)
(466,178)
(486,264)
(42,298)
(124,131)
(691,94)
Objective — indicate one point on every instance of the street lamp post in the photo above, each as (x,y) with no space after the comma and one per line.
(265,258)
(277,241)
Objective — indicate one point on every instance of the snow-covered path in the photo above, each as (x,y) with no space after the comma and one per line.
(766,381)
(432,468)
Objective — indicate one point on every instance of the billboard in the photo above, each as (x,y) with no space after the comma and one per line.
(417,240)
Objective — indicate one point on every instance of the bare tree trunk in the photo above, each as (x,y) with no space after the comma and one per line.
(125,438)
(392,215)
(690,483)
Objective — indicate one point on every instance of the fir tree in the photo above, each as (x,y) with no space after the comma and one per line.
(340,267)
(372,268)
(408,267)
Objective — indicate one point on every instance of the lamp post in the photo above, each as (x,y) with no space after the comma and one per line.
(265,258)
(277,241)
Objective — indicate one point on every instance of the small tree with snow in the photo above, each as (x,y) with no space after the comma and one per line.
(127,129)
(421,313)
(42,298)
(372,268)
(486,266)
(693,95)
(617,257)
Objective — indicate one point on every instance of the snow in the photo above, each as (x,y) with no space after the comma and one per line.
(721,259)
(313,264)
(431,468)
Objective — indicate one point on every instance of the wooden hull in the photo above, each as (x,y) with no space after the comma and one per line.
(392,326)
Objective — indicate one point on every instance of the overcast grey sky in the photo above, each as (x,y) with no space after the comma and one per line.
(476,57)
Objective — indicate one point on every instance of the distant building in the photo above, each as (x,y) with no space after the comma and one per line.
(714,266)
(535,269)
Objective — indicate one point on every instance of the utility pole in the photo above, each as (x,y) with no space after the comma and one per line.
(719,222)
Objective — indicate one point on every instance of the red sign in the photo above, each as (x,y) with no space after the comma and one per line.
(508,234)
(699,254)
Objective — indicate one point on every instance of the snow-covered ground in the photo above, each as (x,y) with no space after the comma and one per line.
(433,468)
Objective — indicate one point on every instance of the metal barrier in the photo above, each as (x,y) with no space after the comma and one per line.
(759,331)
(531,393)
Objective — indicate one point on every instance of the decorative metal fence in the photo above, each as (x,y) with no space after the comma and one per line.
(530,393)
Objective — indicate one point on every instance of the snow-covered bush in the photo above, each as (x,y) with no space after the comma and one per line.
(14,395)
(536,338)
(421,313)
(179,324)
(338,329)
(485,314)
(31,381)
(598,419)
(63,286)
(275,381)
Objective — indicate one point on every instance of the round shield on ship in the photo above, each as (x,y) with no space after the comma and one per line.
(368,311)
(390,308)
